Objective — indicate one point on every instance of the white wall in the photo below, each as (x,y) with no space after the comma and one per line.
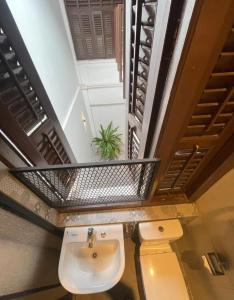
(107,105)
(78,132)
(103,95)
(98,72)
(42,28)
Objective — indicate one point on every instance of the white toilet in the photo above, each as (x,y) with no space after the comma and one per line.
(161,274)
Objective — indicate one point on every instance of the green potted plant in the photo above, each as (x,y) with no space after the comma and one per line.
(109,143)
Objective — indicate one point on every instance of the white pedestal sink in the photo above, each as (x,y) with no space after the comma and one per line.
(85,270)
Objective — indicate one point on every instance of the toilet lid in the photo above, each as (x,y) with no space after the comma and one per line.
(162,277)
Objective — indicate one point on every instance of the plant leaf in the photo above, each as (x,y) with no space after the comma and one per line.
(109,142)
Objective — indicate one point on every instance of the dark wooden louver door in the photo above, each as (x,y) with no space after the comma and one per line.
(108,26)
(92,28)
(26,115)
(198,134)
(99,42)
(139,71)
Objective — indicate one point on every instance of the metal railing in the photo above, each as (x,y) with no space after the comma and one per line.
(90,184)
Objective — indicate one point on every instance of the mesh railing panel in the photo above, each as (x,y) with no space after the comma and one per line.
(94,184)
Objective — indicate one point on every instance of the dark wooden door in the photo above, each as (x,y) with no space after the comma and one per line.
(27,118)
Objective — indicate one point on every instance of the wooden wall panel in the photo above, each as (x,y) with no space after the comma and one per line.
(200,117)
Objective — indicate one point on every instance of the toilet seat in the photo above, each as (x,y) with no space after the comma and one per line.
(162,277)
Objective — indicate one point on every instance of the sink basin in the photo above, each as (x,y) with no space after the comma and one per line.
(85,270)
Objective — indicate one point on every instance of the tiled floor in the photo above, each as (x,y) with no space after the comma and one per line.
(127,288)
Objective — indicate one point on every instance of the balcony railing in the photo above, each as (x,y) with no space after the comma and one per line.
(91,185)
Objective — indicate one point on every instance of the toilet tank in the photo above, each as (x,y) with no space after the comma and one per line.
(160,231)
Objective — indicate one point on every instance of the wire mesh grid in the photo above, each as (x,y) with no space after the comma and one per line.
(116,182)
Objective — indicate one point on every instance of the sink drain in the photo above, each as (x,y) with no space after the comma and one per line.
(94,255)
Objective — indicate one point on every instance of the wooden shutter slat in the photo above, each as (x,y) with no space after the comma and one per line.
(92,28)
(26,113)
(210,119)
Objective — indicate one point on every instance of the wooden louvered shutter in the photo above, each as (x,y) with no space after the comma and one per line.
(198,132)
(87,34)
(26,115)
(77,32)
(108,26)
(99,42)
(92,28)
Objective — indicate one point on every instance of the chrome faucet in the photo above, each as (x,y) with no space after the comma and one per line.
(91,236)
